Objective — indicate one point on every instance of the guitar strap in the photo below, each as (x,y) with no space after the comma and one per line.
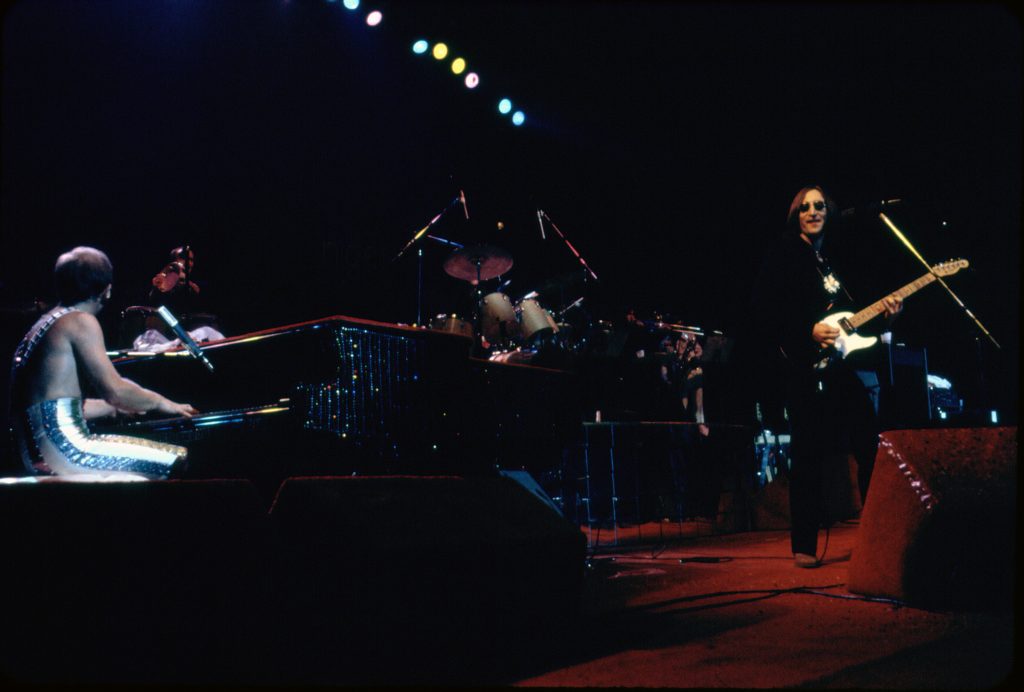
(831,282)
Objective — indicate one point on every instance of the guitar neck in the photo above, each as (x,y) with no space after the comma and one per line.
(877,308)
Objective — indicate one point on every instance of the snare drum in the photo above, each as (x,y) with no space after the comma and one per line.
(534,320)
(451,323)
(498,318)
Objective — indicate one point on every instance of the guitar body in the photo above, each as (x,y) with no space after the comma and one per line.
(847,342)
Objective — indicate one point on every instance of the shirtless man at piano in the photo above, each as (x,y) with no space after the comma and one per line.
(63,350)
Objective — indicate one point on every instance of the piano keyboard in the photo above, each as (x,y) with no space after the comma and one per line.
(183,429)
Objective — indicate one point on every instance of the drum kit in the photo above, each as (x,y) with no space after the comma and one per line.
(523,330)
(499,323)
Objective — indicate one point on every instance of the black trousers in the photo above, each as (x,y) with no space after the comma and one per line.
(828,413)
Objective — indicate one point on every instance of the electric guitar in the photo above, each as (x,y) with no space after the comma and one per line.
(849,341)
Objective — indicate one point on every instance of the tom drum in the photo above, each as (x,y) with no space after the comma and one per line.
(534,320)
(498,319)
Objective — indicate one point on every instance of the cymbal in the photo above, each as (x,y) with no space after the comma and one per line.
(479,262)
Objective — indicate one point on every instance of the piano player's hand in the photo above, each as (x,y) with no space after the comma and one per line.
(94,409)
(176,409)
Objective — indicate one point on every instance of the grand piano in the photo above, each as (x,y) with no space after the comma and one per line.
(344,395)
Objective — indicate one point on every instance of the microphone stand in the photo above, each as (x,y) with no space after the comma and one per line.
(420,233)
(419,268)
(445,241)
(981,370)
(188,280)
(903,239)
(419,272)
(565,240)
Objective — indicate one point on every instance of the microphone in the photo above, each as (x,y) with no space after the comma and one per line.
(541,222)
(871,206)
(462,198)
(187,340)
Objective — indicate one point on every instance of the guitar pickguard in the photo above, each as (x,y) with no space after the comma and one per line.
(847,341)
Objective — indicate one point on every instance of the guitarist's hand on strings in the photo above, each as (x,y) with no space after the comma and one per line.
(893,306)
(824,334)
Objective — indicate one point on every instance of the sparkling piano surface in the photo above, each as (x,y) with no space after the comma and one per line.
(347,395)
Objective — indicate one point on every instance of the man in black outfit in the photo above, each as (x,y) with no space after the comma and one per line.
(829,408)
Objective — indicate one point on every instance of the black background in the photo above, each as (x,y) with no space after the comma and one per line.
(297,150)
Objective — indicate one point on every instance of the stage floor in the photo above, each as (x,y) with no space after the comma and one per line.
(669,605)
(733,611)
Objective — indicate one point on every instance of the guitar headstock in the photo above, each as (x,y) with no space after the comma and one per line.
(949,268)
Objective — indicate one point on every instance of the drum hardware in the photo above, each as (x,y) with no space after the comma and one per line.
(534,321)
(659,324)
(494,318)
(478,263)
(574,304)
(452,324)
(575,252)
(445,241)
(497,320)
(423,231)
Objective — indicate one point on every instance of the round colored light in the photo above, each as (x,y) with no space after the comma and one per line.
(518,118)
(458,65)
(504,106)
(472,80)
(374,18)
(440,51)
(420,47)
(351,4)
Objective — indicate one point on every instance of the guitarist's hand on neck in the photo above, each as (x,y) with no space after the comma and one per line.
(893,307)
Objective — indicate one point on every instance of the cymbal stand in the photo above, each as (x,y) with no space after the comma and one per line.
(569,245)
(478,318)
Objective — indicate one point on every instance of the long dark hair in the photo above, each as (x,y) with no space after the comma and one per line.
(793,219)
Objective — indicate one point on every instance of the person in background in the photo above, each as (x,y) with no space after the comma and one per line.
(174,288)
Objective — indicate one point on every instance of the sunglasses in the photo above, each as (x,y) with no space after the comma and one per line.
(818,206)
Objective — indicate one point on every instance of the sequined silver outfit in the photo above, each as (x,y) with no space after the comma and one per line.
(53,436)
(58,441)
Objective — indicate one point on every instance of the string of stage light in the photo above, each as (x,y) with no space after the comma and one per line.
(441,52)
